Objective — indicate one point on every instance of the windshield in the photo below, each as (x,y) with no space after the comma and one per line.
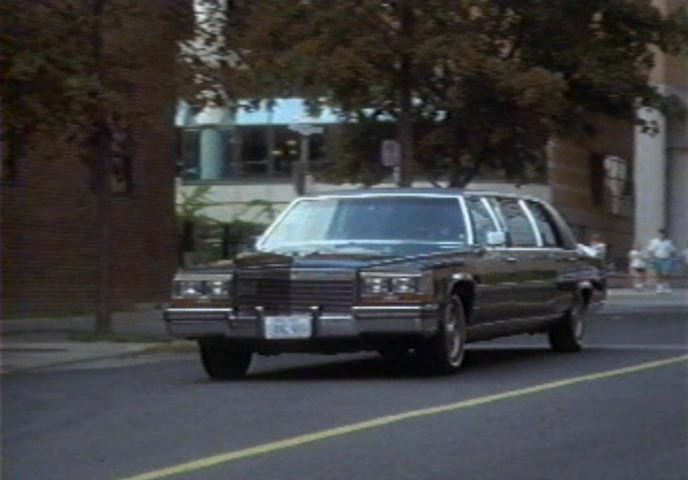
(377,225)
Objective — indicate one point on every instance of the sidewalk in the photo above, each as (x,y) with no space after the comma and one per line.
(34,344)
(647,298)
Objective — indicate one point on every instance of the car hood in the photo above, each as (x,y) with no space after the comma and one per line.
(258,260)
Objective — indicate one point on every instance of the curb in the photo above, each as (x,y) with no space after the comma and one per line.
(151,349)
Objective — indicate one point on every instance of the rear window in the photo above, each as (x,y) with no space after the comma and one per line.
(548,230)
(521,232)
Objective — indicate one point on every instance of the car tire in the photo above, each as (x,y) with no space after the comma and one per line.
(445,352)
(567,334)
(222,362)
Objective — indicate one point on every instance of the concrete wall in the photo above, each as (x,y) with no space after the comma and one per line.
(661,161)
(230,199)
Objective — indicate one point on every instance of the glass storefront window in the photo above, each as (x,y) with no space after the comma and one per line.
(247,152)
(207,154)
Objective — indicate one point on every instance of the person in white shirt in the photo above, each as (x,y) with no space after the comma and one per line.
(661,251)
(597,246)
(637,267)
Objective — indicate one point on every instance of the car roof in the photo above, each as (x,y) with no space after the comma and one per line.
(390,191)
(438,191)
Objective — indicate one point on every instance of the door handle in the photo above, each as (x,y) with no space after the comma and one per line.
(511,259)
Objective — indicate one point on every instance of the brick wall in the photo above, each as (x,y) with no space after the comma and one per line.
(48,222)
(571,178)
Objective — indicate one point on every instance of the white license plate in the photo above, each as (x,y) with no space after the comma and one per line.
(288,327)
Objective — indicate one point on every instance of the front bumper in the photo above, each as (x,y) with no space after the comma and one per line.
(421,320)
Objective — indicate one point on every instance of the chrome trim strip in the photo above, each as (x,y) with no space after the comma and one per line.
(373,273)
(414,308)
(228,311)
(492,214)
(468,225)
(333,318)
(534,249)
(533,223)
(199,276)
(318,274)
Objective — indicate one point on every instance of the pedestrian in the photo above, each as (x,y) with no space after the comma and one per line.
(661,250)
(637,267)
(597,246)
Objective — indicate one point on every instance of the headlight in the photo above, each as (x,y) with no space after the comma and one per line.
(405,284)
(188,288)
(197,286)
(391,283)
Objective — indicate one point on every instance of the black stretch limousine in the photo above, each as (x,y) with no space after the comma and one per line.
(414,272)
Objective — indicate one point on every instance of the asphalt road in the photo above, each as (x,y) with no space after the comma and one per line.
(504,418)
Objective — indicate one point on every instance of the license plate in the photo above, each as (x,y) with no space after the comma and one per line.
(288,327)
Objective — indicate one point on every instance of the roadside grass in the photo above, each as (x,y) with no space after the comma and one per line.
(117,338)
(162,344)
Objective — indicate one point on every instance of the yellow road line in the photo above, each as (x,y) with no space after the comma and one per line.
(388,420)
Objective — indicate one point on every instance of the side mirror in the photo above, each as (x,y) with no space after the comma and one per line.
(495,239)
(250,245)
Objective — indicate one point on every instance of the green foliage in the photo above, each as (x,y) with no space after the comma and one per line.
(492,80)
(214,239)
(191,206)
(71,68)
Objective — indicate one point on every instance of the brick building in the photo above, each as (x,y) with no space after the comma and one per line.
(626,184)
(48,208)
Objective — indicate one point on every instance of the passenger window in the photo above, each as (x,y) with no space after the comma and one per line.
(520,230)
(481,219)
(548,230)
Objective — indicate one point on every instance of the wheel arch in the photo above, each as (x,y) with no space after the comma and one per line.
(463,285)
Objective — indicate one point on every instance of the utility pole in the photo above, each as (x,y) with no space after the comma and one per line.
(405,126)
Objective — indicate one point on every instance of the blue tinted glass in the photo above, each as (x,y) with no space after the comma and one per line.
(371,220)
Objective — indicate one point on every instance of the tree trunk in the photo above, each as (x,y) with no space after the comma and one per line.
(104,222)
(100,150)
(405,126)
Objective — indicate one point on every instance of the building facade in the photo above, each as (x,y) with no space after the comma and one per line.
(661,159)
(49,223)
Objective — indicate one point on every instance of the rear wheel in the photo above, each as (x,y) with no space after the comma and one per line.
(445,352)
(221,361)
(567,334)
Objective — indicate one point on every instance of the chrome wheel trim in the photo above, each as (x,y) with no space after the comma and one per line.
(578,320)
(453,336)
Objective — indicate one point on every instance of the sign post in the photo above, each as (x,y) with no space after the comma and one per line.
(390,156)
(302,169)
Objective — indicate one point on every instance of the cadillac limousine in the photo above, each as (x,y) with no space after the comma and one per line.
(413,272)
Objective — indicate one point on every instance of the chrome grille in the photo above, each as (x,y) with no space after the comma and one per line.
(286,291)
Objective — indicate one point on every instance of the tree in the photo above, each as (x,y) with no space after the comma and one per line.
(69,74)
(470,84)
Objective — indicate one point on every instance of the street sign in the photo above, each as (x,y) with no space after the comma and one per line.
(390,153)
(305,129)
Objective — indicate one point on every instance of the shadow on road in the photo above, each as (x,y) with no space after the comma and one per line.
(376,368)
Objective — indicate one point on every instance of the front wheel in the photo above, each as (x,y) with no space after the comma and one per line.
(567,334)
(445,352)
(221,362)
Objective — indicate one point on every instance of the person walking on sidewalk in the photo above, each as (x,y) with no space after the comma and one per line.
(661,251)
(637,267)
